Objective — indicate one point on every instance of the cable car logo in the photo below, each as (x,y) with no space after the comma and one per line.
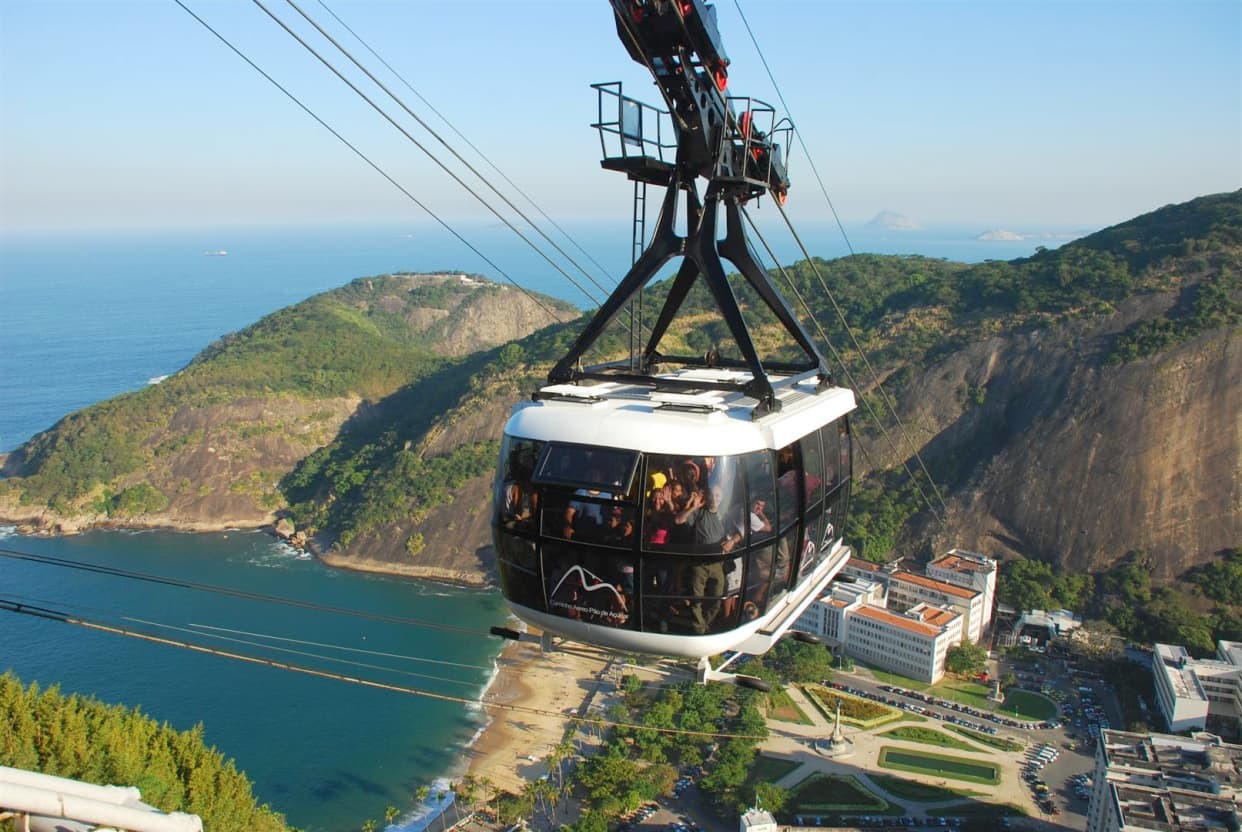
(589,583)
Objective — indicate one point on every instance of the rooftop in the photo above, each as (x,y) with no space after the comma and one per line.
(938,586)
(964,562)
(910,625)
(1202,763)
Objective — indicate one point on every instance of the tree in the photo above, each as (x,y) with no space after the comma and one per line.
(966,659)
(771,797)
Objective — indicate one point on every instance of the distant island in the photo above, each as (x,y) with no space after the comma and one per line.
(892,221)
(1005,235)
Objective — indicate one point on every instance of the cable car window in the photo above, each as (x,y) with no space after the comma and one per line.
(518,564)
(594,586)
(786,550)
(589,516)
(813,468)
(811,551)
(518,500)
(761,491)
(847,451)
(835,507)
(690,595)
(608,470)
(693,504)
(758,579)
(829,436)
(788,485)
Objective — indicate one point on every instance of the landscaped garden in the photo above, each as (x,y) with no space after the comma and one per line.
(939,765)
(862,713)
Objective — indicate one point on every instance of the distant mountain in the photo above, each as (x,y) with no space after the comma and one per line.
(890,221)
(1001,235)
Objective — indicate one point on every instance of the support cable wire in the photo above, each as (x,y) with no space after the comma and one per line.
(328,64)
(875,378)
(65,618)
(844,367)
(192,630)
(841,315)
(15,554)
(801,142)
(467,142)
(531,296)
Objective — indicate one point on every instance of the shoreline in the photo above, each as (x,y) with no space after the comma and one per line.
(513,746)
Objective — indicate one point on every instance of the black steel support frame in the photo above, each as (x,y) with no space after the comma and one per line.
(702,252)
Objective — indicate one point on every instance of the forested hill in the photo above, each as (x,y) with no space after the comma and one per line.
(1073,407)
(207,447)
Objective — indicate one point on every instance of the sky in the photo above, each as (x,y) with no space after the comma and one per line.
(129,114)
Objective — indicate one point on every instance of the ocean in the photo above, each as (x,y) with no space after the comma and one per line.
(87,316)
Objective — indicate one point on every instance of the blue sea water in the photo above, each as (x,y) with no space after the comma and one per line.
(85,317)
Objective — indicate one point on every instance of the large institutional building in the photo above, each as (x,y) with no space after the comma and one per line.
(903,621)
(1189,690)
(1163,782)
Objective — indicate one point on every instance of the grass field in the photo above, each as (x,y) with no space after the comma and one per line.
(988,739)
(927,736)
(827,794)
(1025,704)
(921,792)
(770,769)
(939,765)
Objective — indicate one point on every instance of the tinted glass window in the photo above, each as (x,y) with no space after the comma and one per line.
(788,485)
(517,498)
(595,586)
(693,504)
(691,595)
(813,468)
(758,579)
(609,470)
(518,565)
(829,436)
(761,491)
(588,516)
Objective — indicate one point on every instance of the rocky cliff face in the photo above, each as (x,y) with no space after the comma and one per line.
(1076,462)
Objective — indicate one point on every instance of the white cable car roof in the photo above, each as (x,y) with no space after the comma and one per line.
(708,423)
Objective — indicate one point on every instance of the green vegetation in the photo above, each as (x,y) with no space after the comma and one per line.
(793,661)
(84,739)
(822,794)
(783,708)
(988,739)
(966,659)
(1028,705)
(770,769)
(1209,305)
(916,791)
(927,736)
(939,765)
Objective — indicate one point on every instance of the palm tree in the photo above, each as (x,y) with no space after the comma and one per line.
(390,814)
(420,795)
(470,791)
(455,788)
(369,826)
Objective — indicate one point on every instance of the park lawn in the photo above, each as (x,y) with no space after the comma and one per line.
(920,792)
(825,794)
(859,712)
(783,708)
(1028,705)
(771,769)
(988,739)
(927,736)
(939,765)
(966,691)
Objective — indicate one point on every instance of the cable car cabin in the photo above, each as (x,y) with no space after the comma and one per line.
(672,524)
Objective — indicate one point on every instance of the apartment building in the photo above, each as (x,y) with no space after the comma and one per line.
(1190,690)
(1164,782)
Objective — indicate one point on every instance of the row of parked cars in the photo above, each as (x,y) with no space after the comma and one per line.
(909,706)
(882,822)
(966,709)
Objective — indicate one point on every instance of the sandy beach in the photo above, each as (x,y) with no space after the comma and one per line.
(513,749)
